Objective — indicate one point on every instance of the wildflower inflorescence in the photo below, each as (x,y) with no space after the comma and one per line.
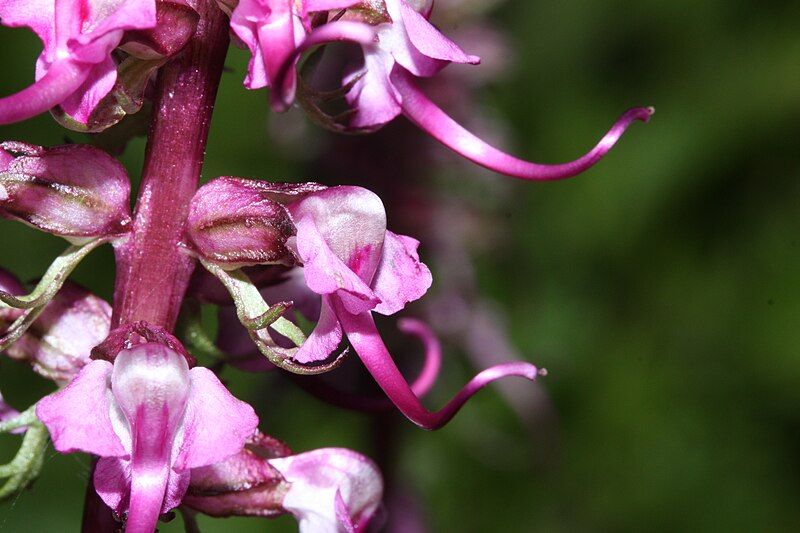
(302,267)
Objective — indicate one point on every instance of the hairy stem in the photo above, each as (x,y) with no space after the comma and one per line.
(152,271)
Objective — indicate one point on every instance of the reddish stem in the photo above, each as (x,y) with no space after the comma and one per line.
(152,271)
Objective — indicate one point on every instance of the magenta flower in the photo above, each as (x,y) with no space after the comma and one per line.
(75,70)
(403,46)
(272,30)
(329,490)
(151,419)
(358,267)
(350,260)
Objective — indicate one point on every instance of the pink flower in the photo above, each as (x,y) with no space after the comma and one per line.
(272,31)
(359,267)
(355,265)
(151,419)
(75,70)
(329,490)
(404,46)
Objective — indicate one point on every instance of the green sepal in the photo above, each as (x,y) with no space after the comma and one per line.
(256,316)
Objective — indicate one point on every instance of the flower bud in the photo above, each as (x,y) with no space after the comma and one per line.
(242,485)
(58,344)
(235,222)
(327,490)
(176,24)
(73,191)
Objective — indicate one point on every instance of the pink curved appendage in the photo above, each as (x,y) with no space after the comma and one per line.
(357,402)
(366,341)
(62,79)
(429,117)
(433,354)
(332,32)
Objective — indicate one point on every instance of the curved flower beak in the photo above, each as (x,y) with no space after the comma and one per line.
(430,118)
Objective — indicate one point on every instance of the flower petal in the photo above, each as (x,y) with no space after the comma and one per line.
(340,234)
(326,273)
(37,15)
(326,5)
(79,416)
(62,79)
(98,84)
(427,39)
(216,424)
(151,386)
(244,24)
(394,38)
(373,98)
(277,35)
(325,338)
(401,277)
(321,477)
(112,482)
(104,16)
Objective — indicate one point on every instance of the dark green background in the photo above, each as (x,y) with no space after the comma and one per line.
(660,289)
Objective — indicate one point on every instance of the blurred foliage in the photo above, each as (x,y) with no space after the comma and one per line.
(660,289)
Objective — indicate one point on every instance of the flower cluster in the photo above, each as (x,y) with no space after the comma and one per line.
(304,266)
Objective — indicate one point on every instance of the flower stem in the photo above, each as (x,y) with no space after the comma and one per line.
(152,270)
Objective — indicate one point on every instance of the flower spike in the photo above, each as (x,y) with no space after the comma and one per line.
(429,117)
